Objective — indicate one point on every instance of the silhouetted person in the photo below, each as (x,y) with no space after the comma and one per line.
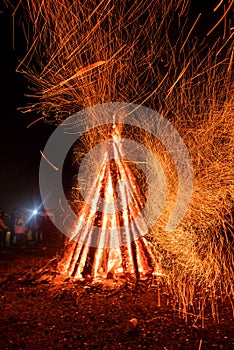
(21,230)
(45,229)
(35,224)
(12,221)
(3,227)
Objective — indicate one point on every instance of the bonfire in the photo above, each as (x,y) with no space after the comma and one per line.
(86,53)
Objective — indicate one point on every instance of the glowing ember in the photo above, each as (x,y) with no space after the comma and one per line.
(116,200)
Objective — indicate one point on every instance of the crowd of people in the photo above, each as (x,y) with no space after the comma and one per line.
(25,226)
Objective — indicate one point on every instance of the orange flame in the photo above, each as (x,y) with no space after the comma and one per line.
(114,203)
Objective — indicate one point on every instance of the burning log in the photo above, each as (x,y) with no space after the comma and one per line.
(106,240)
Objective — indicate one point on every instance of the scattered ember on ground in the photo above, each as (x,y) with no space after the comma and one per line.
(38,314)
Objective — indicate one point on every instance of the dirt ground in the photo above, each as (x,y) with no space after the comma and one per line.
(37,314)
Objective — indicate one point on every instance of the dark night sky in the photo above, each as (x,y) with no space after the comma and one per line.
(20,147)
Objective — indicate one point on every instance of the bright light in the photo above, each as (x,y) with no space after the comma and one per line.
(35,212)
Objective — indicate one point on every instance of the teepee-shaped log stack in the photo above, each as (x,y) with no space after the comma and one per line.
(108,237)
